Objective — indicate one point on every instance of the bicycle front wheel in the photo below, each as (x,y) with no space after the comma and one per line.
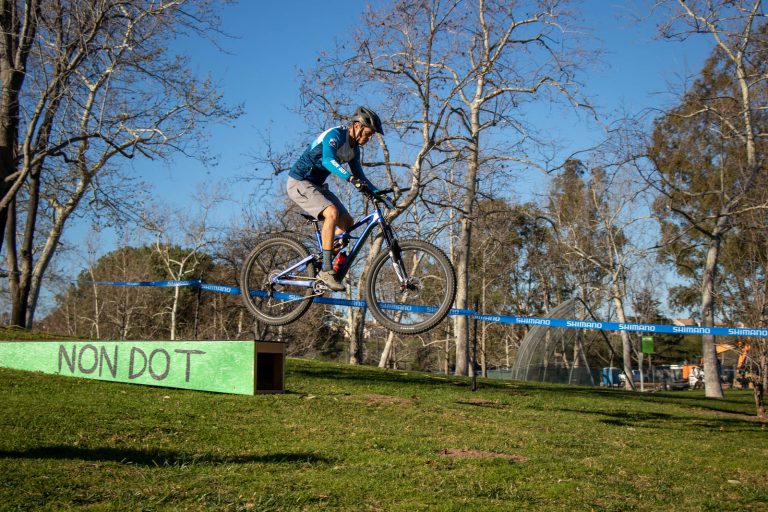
(423,300)
(271,303)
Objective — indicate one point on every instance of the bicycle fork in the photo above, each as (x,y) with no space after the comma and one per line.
(396,254)
(397,262)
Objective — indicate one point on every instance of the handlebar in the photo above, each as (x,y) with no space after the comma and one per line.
(378,196)
(391,190)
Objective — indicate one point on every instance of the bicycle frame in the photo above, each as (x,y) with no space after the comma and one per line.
(370,221)
(401,272)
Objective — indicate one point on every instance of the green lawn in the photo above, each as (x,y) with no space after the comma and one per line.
(359,438)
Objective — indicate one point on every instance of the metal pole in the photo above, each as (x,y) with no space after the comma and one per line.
(474,350)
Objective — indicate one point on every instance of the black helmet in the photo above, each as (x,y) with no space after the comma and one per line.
(368,117)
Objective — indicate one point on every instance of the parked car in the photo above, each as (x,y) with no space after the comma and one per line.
(669,376)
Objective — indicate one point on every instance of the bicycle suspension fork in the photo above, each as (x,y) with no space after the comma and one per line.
(394,251)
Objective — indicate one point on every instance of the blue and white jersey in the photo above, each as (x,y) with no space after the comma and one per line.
(325,156)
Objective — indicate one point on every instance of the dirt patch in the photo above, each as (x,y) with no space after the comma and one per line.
(464,453)
(481,402)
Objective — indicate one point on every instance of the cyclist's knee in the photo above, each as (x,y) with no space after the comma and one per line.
(331,213)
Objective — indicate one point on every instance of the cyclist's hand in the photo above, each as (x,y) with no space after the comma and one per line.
(358,184)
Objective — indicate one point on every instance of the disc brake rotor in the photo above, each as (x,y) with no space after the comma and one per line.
(412,288)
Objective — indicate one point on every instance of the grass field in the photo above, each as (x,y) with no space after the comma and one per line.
(359,438)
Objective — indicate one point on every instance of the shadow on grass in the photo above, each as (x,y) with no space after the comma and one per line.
(158,458)
(683,398)
(368,375)
(647,419)
(727,405)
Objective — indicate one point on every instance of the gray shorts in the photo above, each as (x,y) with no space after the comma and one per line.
(313,198)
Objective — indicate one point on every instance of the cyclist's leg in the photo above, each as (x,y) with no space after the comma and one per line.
(331,217)
(320,202)
(344,223)
(336,220)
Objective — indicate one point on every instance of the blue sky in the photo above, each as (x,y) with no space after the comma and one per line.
(271,40)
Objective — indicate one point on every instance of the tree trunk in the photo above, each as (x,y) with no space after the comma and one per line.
(96,308)
(174,312)
(483,360)
(386,353)
(14,277)
(356,337)
(9,111)
(53,238)
(21,299)
(357,326)
(447,352)
(462,300)
(712,386)
(23,264)
(240,318)
(626,345)
(15,45)
(126,327)
(6,168)
(483,329)
(465,244)
(759,385)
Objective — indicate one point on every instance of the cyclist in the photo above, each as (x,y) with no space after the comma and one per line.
(306,180)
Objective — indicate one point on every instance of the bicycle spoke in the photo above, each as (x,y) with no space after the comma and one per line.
(265,298)
(423,299)
(262,267)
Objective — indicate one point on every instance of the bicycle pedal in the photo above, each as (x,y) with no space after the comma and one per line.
(320,287)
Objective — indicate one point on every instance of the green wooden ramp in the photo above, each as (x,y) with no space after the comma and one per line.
(239,367)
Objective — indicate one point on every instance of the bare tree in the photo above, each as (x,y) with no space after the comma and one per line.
(91,310)
(400,56)
(743,298)
(596,216)
(89,83)
(449,70)
(181,241)
(18,22)
(509,53)
(721,119)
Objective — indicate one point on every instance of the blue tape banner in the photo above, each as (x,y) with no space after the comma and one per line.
(174,284)
(220,288)
(517,320)
(614,326)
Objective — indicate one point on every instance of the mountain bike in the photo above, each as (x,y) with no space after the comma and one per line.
(409,287)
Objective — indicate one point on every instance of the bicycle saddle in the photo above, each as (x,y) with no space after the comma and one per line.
(309,218)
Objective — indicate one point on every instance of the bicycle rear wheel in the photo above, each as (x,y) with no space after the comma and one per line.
(424,300)
(276,304)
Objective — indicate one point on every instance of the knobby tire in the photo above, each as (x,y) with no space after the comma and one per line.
(275,254)
(437,276)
